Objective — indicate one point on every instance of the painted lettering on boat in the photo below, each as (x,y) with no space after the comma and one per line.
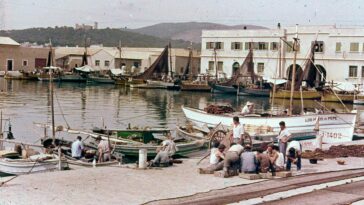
(334,135)
(327,118)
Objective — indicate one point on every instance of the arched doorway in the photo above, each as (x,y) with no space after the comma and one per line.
(299,72)
(236,66)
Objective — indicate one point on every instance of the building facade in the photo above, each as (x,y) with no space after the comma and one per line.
(14,57)
(339,52)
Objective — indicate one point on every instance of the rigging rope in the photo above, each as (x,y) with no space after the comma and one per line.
(60,108)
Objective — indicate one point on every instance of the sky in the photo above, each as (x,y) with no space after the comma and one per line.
(19,14)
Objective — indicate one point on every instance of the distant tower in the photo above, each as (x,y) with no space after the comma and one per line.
(96,25)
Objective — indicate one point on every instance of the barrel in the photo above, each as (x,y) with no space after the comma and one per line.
(142,159)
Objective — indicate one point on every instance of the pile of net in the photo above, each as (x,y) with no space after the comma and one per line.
(218,109)
(336,152)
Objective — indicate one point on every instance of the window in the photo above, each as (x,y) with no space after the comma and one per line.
(219,45)
(220,65)
(25,62)
(274,46)
(262,46)
(260,68)
(353,71)
(318,46)
(248,45)
(211,65)
(213,45)
(97,62)
(236,46)
(354,47)
(338,47)
(210,45)
(107,63)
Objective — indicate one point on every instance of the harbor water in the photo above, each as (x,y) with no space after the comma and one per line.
(83,106)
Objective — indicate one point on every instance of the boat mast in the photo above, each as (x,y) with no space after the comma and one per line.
(170,59)
(215,62)
(1,129)
(51,91)
(120,53)
(191,66)
(295,48)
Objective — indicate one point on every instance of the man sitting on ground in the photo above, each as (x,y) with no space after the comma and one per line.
(263,162)
(294,151)
(232,156)
(216,159)
(276,158)
(164,155)
(248,161)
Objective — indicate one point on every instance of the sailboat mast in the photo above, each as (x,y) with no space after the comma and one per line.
(295,48)
(170,58)
(51,93)
(191,66)
(1,129)
(120,54)
(215,62)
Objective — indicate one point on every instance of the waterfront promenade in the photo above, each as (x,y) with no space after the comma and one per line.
(121,185)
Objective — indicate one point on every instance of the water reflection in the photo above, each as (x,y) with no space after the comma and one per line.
(84,106)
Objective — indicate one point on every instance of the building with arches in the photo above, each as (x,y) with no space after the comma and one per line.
(339,52)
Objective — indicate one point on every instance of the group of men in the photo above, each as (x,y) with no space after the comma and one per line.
(242,158)
(103,149)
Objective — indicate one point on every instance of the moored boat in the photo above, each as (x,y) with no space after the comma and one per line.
(306,94)
(195,86)
(338,127)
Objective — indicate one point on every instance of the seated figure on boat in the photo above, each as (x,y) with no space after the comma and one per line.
(77,148)
(103,149)
(248,108)
(216,159)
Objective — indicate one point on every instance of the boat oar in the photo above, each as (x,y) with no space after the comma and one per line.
(208,154)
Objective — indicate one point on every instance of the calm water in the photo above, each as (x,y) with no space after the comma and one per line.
(83,107)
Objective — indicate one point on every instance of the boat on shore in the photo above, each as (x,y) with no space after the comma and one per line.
(338,127)
(37,163)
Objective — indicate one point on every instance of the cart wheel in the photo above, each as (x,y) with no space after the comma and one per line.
(218,135)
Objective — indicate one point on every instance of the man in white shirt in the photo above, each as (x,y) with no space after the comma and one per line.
(103,148)
(294,151)
(232,156)
(238,130)
(77,148)
(283,137)
(248,108)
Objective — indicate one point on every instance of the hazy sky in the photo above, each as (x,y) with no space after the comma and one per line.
(16,14)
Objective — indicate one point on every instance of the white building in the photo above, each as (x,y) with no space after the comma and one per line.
(339,53)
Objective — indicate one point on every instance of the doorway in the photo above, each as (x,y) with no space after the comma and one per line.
(9,64)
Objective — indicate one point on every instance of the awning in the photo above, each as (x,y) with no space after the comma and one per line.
(87,69)
(116,71)
(276,81)
(344,86)
(52,68)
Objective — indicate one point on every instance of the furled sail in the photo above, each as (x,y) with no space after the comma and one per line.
(188,69)
(158,68)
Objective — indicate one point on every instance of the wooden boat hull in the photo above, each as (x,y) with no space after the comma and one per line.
(100,80)
(254,92)
(183,149)
(73,78)
(306,94)
(358,102)
(182,133)
(331,97)
(195,87)
(223,89)
(337,127)
(72,161)
(19,167)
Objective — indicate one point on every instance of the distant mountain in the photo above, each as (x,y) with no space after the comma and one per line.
(68,36)
(189,31)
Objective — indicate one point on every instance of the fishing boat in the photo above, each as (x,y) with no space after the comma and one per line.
(256,92)
(338,127)
(129,142)
(159,74)
(306,94)
(340,92)
(20,75)
(73,77)
(101,79)
(36,163)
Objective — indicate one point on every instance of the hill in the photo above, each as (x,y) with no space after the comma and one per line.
(68,36)
(188,31)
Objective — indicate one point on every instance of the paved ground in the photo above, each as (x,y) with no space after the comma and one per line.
(115,185)
(345,194)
